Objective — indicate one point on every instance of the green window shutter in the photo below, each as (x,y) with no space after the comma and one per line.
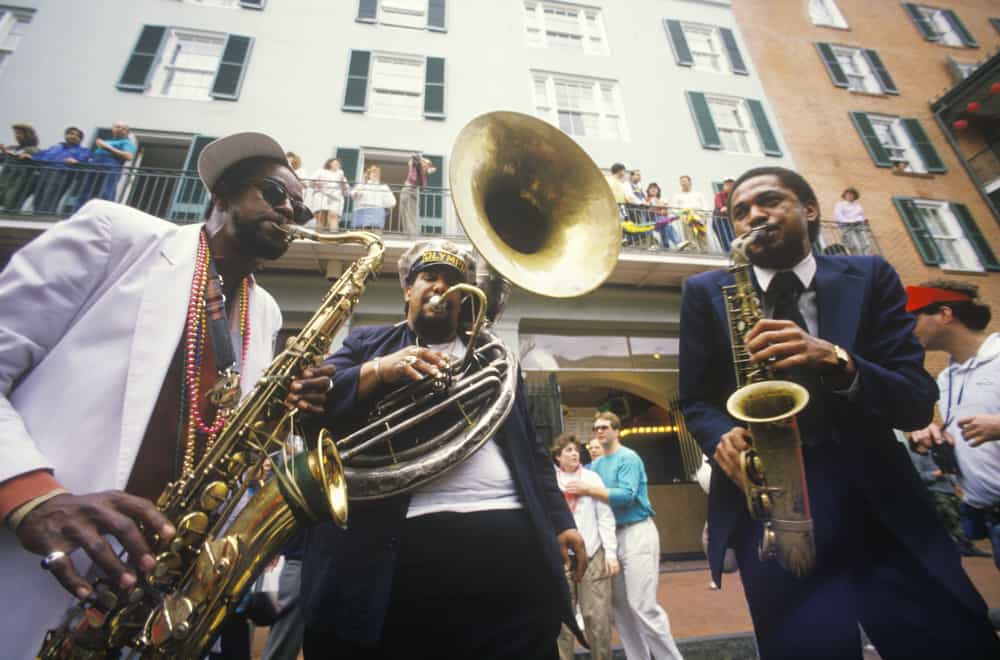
(356,95)
(875,62)
(678,42)
(768,141)
(435,15)
(434,88)
(253,4)
(833,67)
(736,62)
(190,196)
(367,11)
(923,145)
(995,22)
(923,25)
(870,138)
(432,198)
(976,238)
(703,120)
(135,77)
(926,246)
(956,24)
(349,163)
(229,77)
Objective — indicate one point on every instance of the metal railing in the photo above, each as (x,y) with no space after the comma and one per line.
(35,189)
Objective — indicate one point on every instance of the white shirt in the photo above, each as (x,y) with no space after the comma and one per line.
(594,519)
(805,270)
(482,483)
(848,213)
(689,200)
(973,388)
(373,195)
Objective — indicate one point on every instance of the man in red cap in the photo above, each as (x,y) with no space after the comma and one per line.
(950,318)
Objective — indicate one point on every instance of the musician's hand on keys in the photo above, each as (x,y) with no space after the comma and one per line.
(411,363)
(66,522)
(727,452)
(309,392)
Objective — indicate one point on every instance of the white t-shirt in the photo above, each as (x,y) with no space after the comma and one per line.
(973,388)
(482,483)
(692,200)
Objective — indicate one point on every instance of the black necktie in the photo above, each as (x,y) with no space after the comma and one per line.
(783,297)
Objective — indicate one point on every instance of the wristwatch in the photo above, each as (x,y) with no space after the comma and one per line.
(842,357)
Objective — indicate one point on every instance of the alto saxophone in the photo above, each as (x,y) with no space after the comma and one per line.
(203,573)
(774,480)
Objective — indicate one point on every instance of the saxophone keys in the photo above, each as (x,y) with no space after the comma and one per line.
(168,565)
(169,621)
(214,495)
(190,530)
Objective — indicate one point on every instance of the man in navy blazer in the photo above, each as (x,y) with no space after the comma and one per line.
(469,565)
(882,558)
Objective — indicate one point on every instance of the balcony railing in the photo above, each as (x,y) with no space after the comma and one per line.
(34,190)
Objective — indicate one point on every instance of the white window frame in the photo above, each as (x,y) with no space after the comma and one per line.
(603,119)
(540,32)
(13,21)
(896,140)
(381,90)
(826,13)
(714,59)
(220,4)
(944,229)
(743,132)
(965,69)
(165,69)
(403,13)
(937,19)
(857,68)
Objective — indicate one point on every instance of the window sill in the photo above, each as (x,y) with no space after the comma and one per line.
(875,94)
(962,271)
(914,175)
(845,28)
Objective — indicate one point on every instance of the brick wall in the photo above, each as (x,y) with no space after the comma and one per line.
(813,115)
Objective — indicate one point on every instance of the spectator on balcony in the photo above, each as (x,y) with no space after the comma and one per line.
(418,168)
(371,201)
(692,209)
(850,219)
(56,169)
(106,167)
(331,188)
(720,219)
(616,181)
(662,218)
(295,163)
(16,174)
(638,195)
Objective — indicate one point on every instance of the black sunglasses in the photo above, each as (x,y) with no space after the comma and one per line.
(275,194)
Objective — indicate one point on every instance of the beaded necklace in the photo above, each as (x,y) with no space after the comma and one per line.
(196,338)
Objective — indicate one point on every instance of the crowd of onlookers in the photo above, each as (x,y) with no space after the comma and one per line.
(687,221)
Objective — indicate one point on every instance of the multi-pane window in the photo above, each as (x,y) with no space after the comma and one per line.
(826,12)
(13,23)
(565,27)
(188,65)
(946,32)
(860,77)
(706,47)
(895,140)
(397,86)
(943,228)
(733,123)
(583,107)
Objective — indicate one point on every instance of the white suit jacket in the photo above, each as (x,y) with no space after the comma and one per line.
(91,313)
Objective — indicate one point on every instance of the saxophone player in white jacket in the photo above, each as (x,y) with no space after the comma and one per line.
(98,317)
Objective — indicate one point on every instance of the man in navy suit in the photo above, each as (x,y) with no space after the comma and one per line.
(838,325)
(469,565)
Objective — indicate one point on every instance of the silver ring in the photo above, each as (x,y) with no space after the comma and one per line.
(52,558)
(329,386)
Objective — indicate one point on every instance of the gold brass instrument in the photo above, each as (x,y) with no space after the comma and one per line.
(203,573)
(774,480)
(540,212)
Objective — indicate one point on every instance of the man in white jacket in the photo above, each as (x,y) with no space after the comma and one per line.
(103,354)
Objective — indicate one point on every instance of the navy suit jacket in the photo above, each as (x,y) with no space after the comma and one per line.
(862,308)
(347,574)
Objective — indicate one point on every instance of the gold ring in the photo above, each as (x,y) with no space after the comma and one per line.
(409,359)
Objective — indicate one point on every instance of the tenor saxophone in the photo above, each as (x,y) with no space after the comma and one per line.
(202,574)
(774,480)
